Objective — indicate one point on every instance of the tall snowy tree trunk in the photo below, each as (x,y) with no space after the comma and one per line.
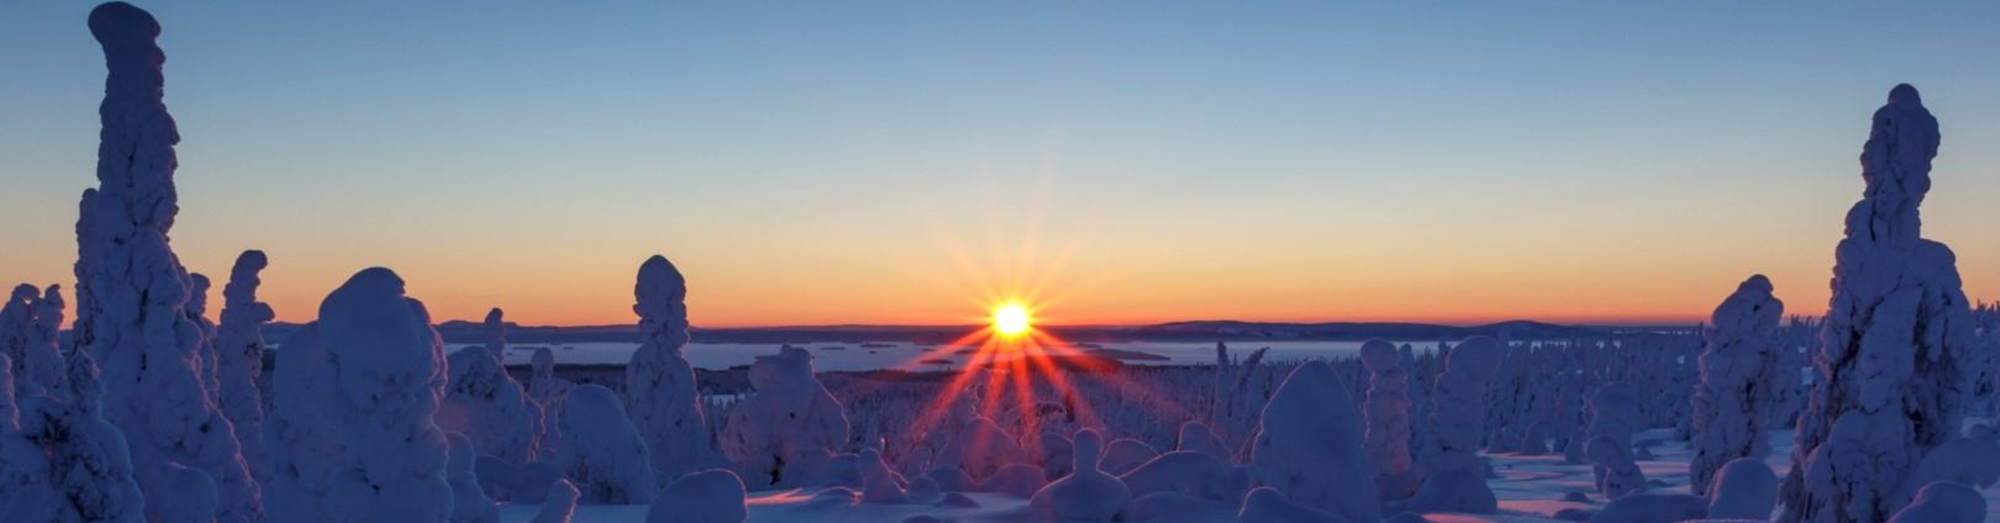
(1896,336)
(133,290)
(1732,406)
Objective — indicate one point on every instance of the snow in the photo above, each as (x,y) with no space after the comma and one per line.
(488,406)
(69,464)
(1744,488)
(1309,446)
(709,496)
(1614,416)
(660,383)
(10,415)
(1197,474)
(1896,340)
(1387,411)
(1087,494)
(980,447)
(16,321)
(134,294)
(359,407)
(385,366)
(1268,505)
(1731,406)
(784,435)
(602,452)
(559,505)
(1455,478)
(239,350)
(469,502)
(1652,508)
(547,392)
(1943,502)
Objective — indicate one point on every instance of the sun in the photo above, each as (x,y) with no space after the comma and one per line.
(1011,319)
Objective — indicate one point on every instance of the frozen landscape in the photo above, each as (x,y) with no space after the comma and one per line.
(150,393)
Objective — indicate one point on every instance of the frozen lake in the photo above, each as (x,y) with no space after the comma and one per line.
(905,355)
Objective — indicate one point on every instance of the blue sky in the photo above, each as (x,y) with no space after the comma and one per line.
(893,161)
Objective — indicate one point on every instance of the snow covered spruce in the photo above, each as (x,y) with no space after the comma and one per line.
(659,382)
(785,435)
(485,403)
(1896,341)
(1731,407)
(133,293)
(1387,411)
(239,349)
(1454,476)
(352,432)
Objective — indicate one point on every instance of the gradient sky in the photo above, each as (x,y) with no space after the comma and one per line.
(902,162)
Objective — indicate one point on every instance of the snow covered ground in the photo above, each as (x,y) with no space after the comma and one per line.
(1530,488)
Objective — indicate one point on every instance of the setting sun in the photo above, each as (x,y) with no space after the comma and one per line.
(1011,319)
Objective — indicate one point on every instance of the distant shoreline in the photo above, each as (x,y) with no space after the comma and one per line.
(1204,331)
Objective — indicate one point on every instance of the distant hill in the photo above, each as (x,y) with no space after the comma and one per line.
(467,332)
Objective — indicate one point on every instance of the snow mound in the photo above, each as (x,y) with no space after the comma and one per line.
(709,496)
(1087,494)
(1196,474)
(1745,488)
(1943,502)
(1652,508)
(1267,505)
(558,505)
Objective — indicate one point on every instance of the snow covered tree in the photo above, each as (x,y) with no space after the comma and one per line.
(239,349)
(1087,494)
(1388,418)
(197,313)
(1616,473)
(659,382)
(547,391)
(604,455)
(66,464)
(1309,446)
(786,433)
(30,321)
(301,436)
(1896,333)
(134,291)
(486,404)
(350,434)
(468,500)
(17,320)
(1732,405)
(1455,478)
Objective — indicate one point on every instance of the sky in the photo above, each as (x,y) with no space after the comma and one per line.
(1106,162)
